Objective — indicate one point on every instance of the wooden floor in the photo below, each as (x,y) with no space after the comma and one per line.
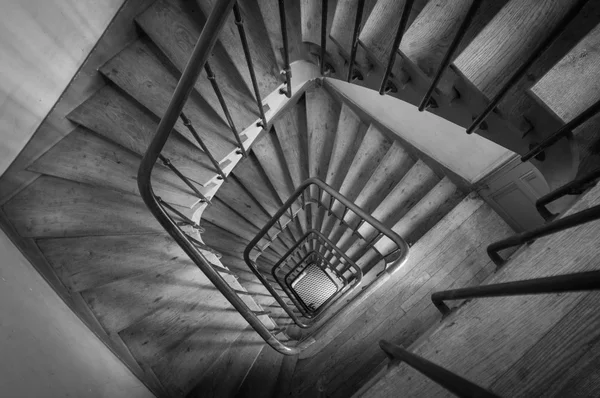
(523,346)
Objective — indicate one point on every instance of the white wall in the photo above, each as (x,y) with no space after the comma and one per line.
(42,44)
(469,156)
(45,349)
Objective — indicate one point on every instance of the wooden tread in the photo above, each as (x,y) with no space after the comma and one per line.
(174,26)
(119,118)
(141,73)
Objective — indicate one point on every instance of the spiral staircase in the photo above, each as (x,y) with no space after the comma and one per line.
(318,231)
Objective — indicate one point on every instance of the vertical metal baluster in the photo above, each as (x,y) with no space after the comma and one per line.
(213,81)
(240,24)
(323,34)
(357,26)
(425,102)
(343,216)
(331,199)
(522,70)
(174,169)
(187,123)
(401,27)
(185,218)
(287,70)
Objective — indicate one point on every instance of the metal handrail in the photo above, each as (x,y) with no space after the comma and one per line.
(200,54)
(575,282)
(573,220)
(563,131)
(459,386)
(575,187)
(426,101)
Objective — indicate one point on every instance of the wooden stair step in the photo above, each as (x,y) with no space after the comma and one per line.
(322,114)
(198,306)
(227,372)
(250,174)
(373,148)
(85,157)
(291,131)
(263,58)
(310,20)
(342,27)
(386,178)
(273,163)
(236,197)
(270,16)
(174,26)
(348,138)
(569,88)
(219,213)
(125,302)
(492,57)
(427,40)
(425,214)
(84,263)
(53,207)
(262,377)
(117,117)
(520,325)
(140,72)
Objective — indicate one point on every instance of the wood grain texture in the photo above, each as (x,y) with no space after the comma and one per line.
(489,61)
(426,41)
(116,116)
(291,130)
(348,137)
(174,26)
(87,262)
(87,158)
(52,207)
(504,336)
(373,148)
(377,34)
(270,17)
(139,71)
(227,373)
(262,378)
(261,52)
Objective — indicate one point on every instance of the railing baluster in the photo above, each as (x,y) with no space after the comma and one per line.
(240,24)
(324,4)
(449,53)
(523,68)
(287,70)
(185,218)
(399,33)
(564,130)
(578,185)
(575,282)
(341,221)
(573,220)
(187,123)
(331,199)
(357,26)
(213,81)
(174,169)
(459,386)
